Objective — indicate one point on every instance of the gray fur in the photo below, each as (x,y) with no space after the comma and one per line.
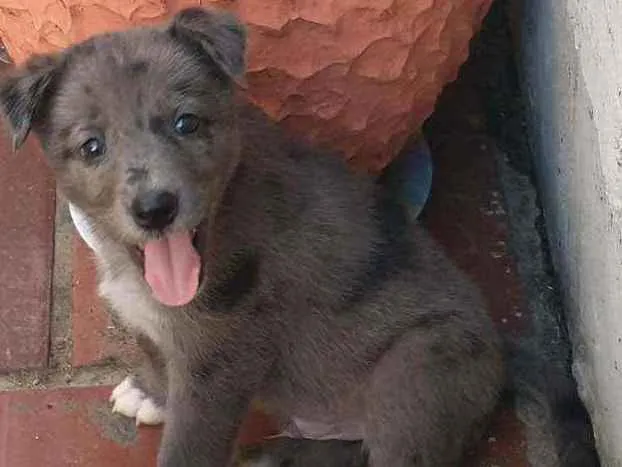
(310,298)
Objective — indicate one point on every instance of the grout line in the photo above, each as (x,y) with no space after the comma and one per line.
(60,316)
(104,374)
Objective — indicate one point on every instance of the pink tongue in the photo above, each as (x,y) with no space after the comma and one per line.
(172,268)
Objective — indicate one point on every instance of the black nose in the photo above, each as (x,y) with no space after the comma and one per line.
(155,210)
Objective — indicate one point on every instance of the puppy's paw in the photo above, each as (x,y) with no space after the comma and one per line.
(131,401)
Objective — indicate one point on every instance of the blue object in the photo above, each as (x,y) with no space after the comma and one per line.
(409,176)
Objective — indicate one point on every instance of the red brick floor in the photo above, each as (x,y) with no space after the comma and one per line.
(70,427)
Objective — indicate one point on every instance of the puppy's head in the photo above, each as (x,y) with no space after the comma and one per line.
(140,129)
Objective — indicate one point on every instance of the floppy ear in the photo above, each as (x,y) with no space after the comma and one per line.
(24,93)
(217,35)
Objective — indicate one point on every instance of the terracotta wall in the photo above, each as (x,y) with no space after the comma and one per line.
(358,75)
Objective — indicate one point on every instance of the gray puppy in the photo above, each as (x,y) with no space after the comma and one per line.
(252,266)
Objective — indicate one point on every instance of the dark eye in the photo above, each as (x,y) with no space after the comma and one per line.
(186,124)
(92,148)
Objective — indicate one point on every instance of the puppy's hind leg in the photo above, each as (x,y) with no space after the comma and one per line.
(429,395)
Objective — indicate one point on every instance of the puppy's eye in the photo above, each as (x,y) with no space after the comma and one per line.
(92,148)
(186,124)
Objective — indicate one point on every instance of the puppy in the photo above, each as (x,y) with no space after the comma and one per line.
(250,265)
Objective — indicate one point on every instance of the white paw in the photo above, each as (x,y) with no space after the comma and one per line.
(132,402)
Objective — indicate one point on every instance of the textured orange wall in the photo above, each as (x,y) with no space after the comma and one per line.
(358,75)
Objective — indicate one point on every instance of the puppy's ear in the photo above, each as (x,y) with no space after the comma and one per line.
(24,94)
(218,35)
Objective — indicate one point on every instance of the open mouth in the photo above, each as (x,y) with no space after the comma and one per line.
(172,266)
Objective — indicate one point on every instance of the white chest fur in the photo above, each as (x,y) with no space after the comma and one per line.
(125,290)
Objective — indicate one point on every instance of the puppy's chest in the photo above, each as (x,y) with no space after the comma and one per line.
(131,300)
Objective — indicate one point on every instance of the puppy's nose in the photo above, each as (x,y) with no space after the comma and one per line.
(155,210)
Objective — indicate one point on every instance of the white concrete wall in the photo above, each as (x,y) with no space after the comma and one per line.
(572,70)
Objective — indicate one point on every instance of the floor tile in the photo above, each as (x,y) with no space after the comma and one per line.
(70,427)
(27,200)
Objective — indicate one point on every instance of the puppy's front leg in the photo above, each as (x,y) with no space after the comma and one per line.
(206,405)
(202,425)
